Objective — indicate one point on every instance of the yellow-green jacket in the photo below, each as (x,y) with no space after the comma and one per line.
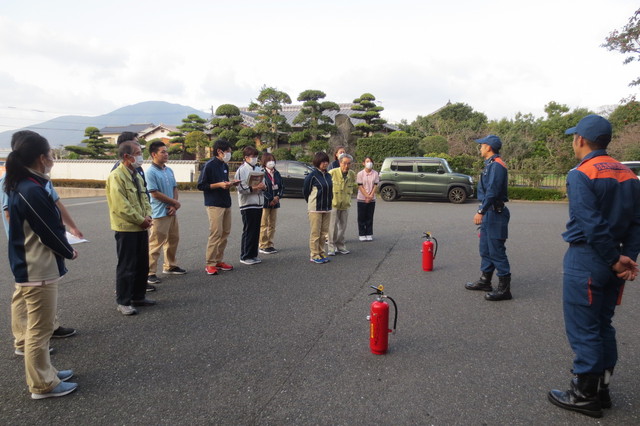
(128,201)
(342,188)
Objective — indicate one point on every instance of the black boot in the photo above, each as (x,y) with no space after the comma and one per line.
(603,389)
(483,284)
(503,292)
(582,397)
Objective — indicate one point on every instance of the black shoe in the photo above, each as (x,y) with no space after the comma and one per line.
(483,284)
(582,397)
(174,270)
(153,279)
(151,288)
(62,332)
(503,292)
(143,302)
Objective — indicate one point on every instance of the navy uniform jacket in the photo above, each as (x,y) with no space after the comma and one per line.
(318,191)
(270,193)
(604,207)
(492,188)
(214,171)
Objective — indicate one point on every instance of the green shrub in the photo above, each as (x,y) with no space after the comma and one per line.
(535,194)
(78,183)
(380,147)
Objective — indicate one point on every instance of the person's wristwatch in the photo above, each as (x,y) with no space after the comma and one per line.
(480,211)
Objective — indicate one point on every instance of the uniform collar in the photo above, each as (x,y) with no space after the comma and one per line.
(596,153)
(491,159)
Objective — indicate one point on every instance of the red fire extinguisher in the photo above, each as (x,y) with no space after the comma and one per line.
(379,321)
(429,250)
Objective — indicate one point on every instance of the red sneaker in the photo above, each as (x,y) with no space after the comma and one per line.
(224,266)
(211,270)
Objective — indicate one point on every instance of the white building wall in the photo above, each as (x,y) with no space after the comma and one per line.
(185,171)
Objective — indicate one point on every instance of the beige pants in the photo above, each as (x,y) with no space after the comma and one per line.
(337,228)
(164,234)
(219,230)
(267,227)
(319,223)
(33,311)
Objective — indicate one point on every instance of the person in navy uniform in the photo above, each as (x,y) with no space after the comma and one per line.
(603,233)
(493,217)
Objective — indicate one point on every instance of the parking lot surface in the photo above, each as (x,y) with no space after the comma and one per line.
(286,341)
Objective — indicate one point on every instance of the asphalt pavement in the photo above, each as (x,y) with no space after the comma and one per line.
(286,341)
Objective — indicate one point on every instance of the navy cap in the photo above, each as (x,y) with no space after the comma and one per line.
(493,141)
(591,127)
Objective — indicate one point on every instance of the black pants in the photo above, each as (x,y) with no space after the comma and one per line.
(250,233)
(133,266)
(365,218)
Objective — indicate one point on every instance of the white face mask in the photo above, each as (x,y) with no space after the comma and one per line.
(253,161)
(271,164)
(368,165)
(139,161)
(226,157)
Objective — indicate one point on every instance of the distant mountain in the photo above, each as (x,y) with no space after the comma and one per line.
(69,129)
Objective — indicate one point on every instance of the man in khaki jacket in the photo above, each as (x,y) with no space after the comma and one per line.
(344,182)
(130,216)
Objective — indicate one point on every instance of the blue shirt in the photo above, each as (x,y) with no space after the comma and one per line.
(493,185)
(161,180)
(215,171)
(604,207)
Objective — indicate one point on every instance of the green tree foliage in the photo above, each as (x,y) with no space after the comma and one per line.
(195,143)
(627,41)
(227,124)
(283,154)
(96,145)
(381,147)
(625,114)
(192,123)
(316,126)
(370,113)
(435,143)
(271,123)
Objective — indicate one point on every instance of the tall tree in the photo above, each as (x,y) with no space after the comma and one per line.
(96,146)
(370,113)
(627,41)
(192,123)
(227,123)
(271,123)
(195,142)
(316,125)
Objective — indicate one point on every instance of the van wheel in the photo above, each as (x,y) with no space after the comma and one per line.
(457,195)
(388,193)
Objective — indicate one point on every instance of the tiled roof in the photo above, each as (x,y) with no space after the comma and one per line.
(136,128)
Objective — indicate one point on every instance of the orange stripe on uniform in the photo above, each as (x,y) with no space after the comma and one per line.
(605,167)
(499,161)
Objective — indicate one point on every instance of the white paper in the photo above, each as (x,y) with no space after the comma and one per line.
(75,240)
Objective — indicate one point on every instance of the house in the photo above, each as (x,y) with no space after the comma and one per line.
(160,131)
(111,133)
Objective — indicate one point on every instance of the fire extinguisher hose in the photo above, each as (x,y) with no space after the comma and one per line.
(395,307)
(435,249)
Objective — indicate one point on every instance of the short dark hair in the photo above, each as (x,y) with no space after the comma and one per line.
(126,137)
(266,157)
(601,142)
(155,146)
(320,157)
(222,145)
(126,147)
(249,151)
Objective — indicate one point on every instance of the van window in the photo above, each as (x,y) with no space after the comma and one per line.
(428,167)
(402,166)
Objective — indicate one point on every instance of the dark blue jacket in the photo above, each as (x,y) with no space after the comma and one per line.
(604,207)
(37,238)
(214,171)
(492,188)
(318,191)
(269,193)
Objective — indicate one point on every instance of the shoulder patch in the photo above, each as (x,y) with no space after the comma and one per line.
(605,167)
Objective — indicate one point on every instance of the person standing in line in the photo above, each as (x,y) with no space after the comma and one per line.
(493,218)
(59,331)
(339,152)
(318,193)
(250,200)
(367,180)
(214,184)
(603,233)
(37,248)
(272,195)
(130,217)
(344,181)
(164,232)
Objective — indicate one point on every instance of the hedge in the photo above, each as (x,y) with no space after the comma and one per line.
(535,194)
(379,148)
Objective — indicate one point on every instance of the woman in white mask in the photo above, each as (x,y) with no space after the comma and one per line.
(250,200)
(272,195)
(367,181)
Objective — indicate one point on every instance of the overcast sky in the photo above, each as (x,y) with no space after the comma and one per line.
(499,56)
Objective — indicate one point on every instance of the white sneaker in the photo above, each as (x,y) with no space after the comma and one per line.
(248,261)
(369,237)
(363,238)
(127,310)
(331,253)
(343,251)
